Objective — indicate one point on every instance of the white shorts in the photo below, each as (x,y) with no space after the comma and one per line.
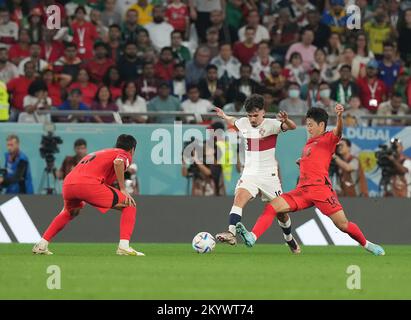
(268,187)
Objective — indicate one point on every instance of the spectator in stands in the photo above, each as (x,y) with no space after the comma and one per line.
(196,105)
(69,64)
(354,113)
(305,48)
(35,25)
(84,33)
(18,89)
(51,50)
(211,88)
(69,162)
(21,49)
(112,80)
(129,65)
(245,84)
(144,44)
(74,103)
(227,65)
(18,178)
(294,71)
(130,101)
(261,63)
(237,105)
(335,18)
(19,10)
(95,19)
(87,88)
(350,176)
(178,84)
(144,12)
(164,67)
(270,101)
(36,100)
(276,80)
(334,49)
(130,27)
(245,50)
(392,107)
(401,85)
(310,91)
(8,70)
(35,52)
(56,85)
(321,31)
(200,12)
(328,74)
(164,102)
(344,88)
(212,41)
(388,68)
(253,20)
(404,36)
(114,42)
(148,83)
(294,104)
(372,90)
(325,101)
(378,31)
(103,101)
(8,29)
(177,15)
(226,33)
(159,29)
(196,68)
(284,33)
(299,10)
(4,102)
(181,53)
(236,10)
(97,66)
(109,15)
(362,56)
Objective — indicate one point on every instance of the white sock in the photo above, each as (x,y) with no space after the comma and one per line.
(43,243)
(367,244)
(255,237)
(287,224)
(236,211)
(124,244)
(288,237)
(232,229)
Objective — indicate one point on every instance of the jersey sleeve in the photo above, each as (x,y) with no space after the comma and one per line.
(332,139)
(275,126)
(123,156)
(241,124)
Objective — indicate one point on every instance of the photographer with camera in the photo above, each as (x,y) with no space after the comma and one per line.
(69,162)
(16,177)
(396,170)
(348,175)
(202,167)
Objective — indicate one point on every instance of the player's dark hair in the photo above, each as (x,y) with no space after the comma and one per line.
(254,102)
(318,115)
(126,142)
(80,142)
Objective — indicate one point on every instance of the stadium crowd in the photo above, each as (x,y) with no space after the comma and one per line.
(173,55)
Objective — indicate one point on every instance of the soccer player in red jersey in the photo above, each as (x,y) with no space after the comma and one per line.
(91,182)
(314,187)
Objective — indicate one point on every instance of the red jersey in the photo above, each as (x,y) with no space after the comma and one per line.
(88,92)
(316,158)
(97,69)
(19,88)
(371,91)
(84,36)
(98,167)
(16,51)
(177,17)
(243,53)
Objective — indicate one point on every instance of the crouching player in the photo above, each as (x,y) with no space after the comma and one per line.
(314,187)
(90,182)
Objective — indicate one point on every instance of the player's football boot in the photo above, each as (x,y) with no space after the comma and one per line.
(294,246)
(245,235)
(38,249)
(375,249)
(226,237)
(128,252)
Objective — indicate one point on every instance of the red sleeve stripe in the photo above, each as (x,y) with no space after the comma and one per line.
(262,144)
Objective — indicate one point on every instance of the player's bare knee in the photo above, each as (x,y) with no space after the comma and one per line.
(342,225)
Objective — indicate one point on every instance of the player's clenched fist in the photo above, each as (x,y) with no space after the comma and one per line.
(339,109)
(219,112)
(282,116)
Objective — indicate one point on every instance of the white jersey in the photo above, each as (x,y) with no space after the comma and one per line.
(260,144)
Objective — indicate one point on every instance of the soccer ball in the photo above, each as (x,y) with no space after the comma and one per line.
(203,242)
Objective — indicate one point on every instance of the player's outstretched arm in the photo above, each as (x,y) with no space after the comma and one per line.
(119,170)
(229,120)
(339,109)
(286,123)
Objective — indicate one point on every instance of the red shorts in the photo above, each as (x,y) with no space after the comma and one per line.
(323,197)
(101,196)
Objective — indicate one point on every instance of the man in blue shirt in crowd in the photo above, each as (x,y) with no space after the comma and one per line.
(17,178)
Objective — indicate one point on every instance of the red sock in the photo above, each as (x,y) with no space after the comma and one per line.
(264,221)
(57,224)
(354,232)
(127,221)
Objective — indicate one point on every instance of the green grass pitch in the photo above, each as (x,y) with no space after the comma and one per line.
(175,271)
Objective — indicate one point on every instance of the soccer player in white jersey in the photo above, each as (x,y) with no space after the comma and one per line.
(260,174)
